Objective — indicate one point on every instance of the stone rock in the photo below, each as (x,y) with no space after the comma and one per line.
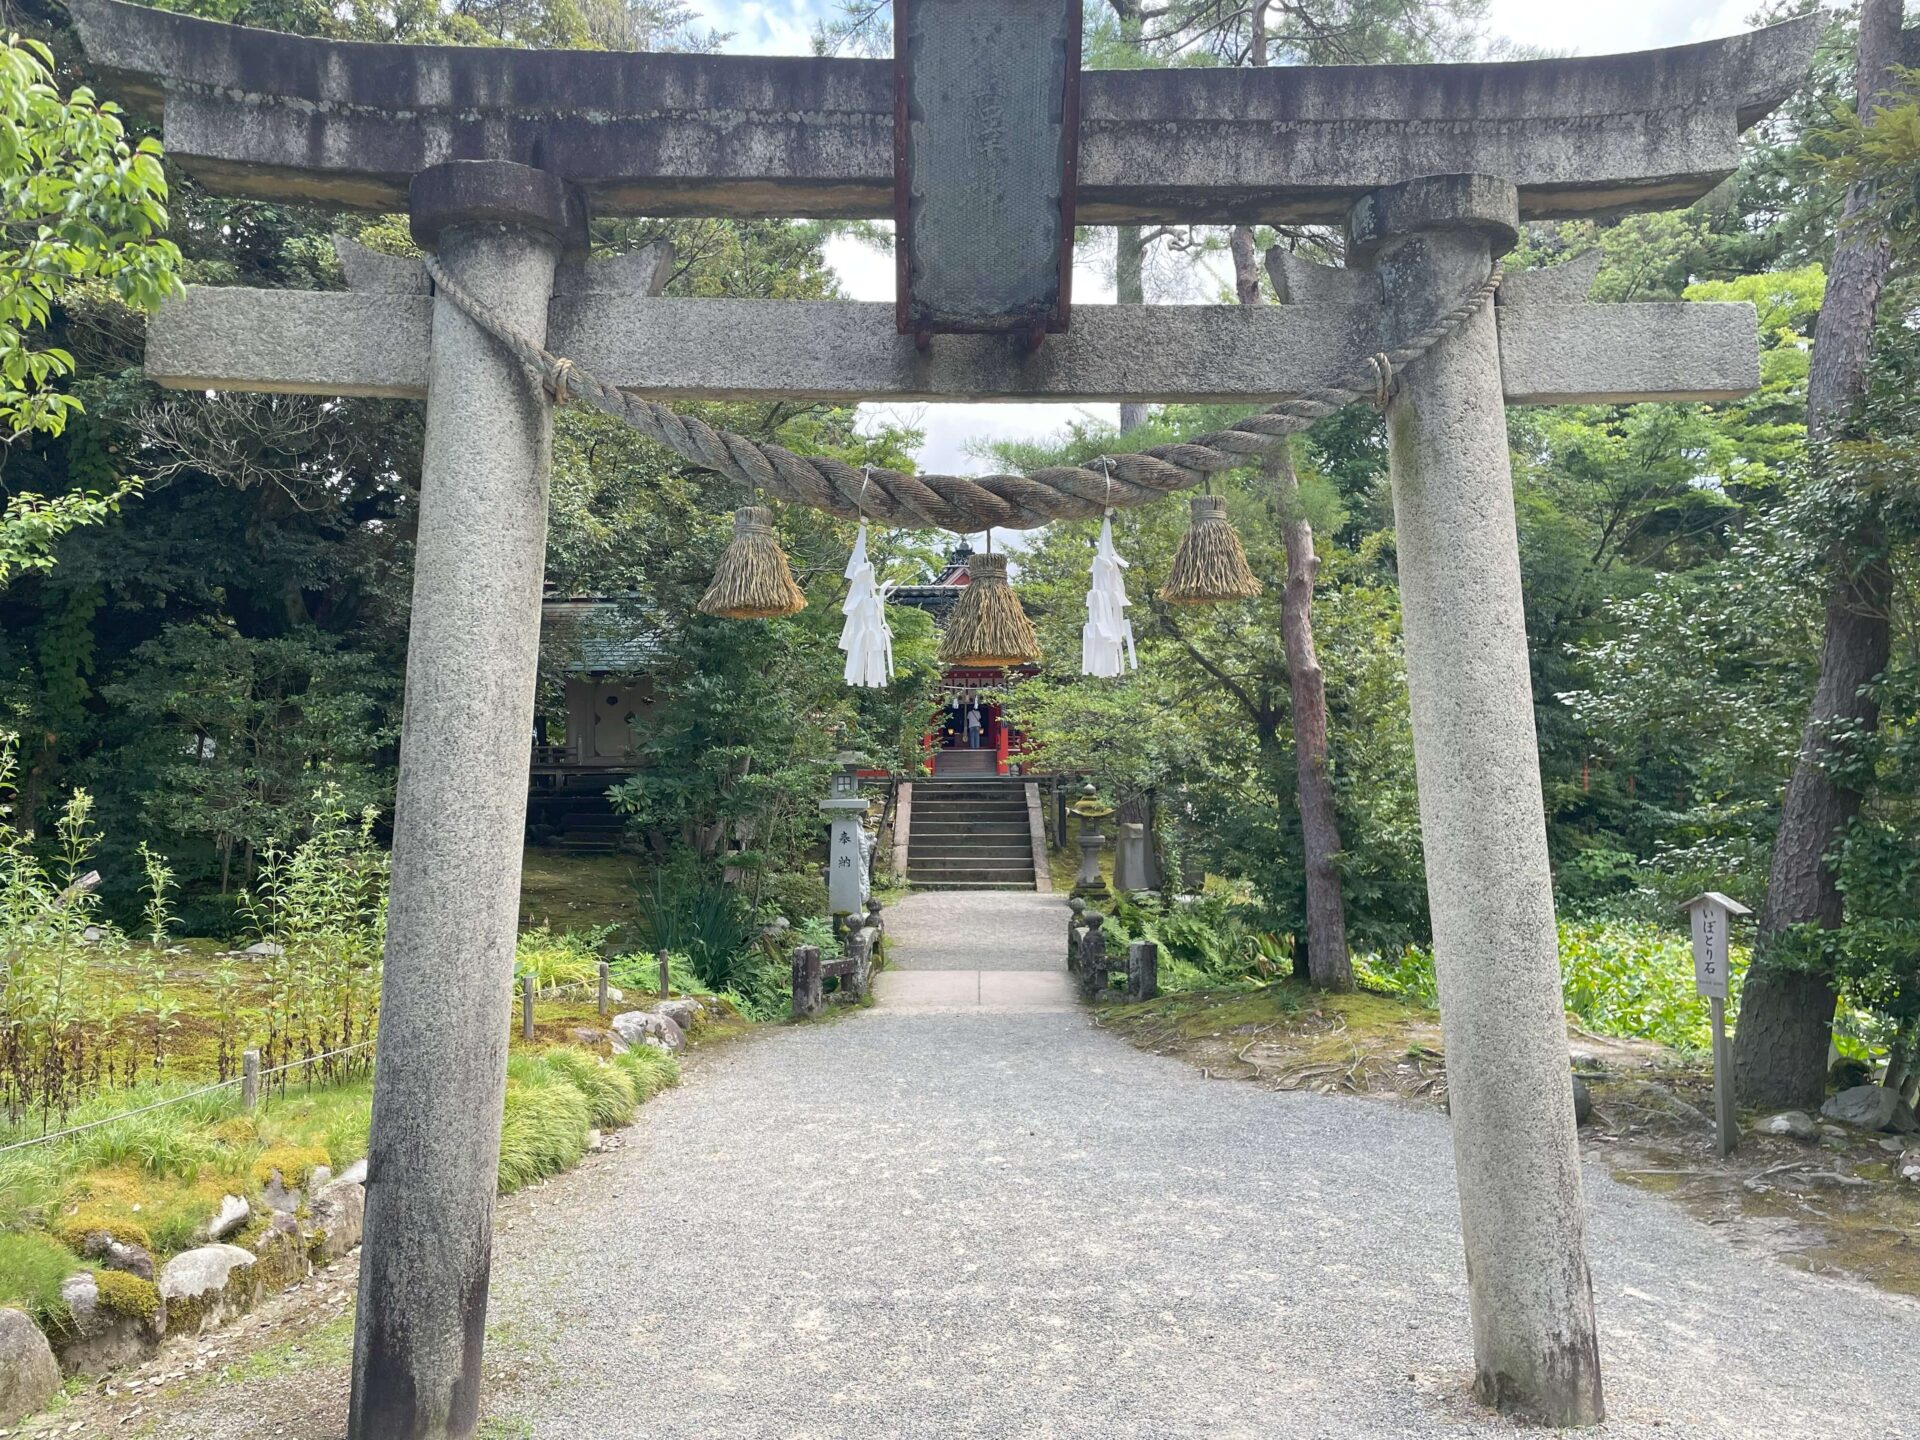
(264,948)
(1794,1124)
(29,1375)
(1871,1107)
(206,1287)
(685,1013)
(1910,1166)
(1847,1073)
(649,1027)
(354,1174)
(337,1217)
(117,1254)
(319,1177)
(233,1213)
(280,1255)
(104,1338)
(276,1195)
(1582,1102)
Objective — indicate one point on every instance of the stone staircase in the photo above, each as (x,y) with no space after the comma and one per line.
(970,833)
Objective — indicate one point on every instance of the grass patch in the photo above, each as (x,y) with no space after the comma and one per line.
(609,1090)
(544,1128)
(32,1269)
(651,1070)
(330,1343)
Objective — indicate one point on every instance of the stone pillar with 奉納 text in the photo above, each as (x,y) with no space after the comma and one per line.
(1483,824)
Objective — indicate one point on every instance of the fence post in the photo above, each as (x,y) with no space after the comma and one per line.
(1078,907)
(860,951)
(879,928)
(526,1006)
(1093,957)
(1143,970)
(665,981)
(606,1000)
(249,1079)
(808,996)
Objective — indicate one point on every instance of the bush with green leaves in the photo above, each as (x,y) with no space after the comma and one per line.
(320,910)
(559,962)
(1619,977)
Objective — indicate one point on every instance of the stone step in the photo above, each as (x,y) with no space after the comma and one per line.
(970,824)
(970,885)
(944,870)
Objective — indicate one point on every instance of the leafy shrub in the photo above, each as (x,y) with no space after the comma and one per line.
(1619,977)
(701,918)
(557,961)
(1636,979)
(795,896)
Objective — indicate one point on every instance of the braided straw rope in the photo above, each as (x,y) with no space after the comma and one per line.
(967,503)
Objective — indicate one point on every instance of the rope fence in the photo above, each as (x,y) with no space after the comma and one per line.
(181,1099)
(966,504)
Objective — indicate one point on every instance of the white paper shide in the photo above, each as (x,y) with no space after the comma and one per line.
(865,637)
(1106,640)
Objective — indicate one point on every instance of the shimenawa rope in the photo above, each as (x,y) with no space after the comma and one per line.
(966,503)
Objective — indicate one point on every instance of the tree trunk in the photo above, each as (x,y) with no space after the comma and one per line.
(1328,964)
(1786,1013)
(1130,288)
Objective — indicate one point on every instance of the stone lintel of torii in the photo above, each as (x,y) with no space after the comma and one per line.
(498,157)
(1555,348)
(286,118)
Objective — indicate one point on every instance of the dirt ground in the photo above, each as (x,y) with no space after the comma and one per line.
(1836,1205)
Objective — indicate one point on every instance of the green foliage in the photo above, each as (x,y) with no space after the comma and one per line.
(704,919)
(321,908)
(1626,978)
(611,1091)
(544,1127)
(559,961)
(80,205)
(651,1070)
(32,1269)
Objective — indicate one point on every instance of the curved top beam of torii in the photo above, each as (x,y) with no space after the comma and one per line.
(281,117)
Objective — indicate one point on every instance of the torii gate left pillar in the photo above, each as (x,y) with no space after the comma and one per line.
(460,814)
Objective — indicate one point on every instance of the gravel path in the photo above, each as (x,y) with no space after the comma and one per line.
(939,1224)
(922,1223)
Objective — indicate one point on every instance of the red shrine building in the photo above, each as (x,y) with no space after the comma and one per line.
(953,746)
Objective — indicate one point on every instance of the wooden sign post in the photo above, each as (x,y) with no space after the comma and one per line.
(1712,915)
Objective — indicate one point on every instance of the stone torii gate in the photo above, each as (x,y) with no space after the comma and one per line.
(497,156)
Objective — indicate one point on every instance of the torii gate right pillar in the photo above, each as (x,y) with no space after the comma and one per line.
(1482,821)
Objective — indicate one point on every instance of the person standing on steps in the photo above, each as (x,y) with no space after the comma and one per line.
(973,725)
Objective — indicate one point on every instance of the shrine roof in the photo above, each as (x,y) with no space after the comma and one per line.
(341,123)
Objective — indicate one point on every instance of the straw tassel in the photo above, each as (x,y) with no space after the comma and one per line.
(752,581)
(1106,640)
(866,637)
(1210,566)
(988,628)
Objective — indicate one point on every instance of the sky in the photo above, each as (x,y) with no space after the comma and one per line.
(955,432)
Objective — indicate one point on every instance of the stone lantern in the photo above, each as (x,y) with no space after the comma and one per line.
(850,845)
(1088,884)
